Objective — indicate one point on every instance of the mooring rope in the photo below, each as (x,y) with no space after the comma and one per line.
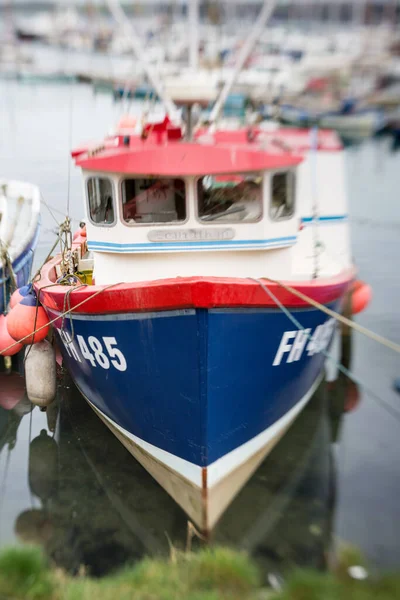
(60,316)
(344,320)
(385,405)
(38,274)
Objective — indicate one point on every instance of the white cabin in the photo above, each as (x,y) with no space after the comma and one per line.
(236,210)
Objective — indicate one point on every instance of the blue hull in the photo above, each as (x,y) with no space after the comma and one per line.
(195,383)
(22,267)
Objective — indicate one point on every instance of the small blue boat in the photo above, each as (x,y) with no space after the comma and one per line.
(141,92)
(19,231)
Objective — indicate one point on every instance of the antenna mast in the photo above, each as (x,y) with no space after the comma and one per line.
(255,32)
(131,36)
(193,34)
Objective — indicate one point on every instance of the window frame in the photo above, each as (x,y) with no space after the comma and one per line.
(115,203)
(217,221)
(187,183)
(292,174)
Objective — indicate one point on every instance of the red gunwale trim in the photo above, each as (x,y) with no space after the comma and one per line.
(185,292)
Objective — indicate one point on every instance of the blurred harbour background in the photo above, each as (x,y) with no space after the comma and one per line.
(66,74)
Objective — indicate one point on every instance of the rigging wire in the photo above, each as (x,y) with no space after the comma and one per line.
(71,105)
(315,212)
(52,209)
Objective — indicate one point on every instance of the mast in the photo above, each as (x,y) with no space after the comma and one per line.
(131,36)
(193,34)
(262,20)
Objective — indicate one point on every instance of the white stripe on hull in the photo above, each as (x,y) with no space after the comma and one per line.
(225,465)
(228,463)
(205,493)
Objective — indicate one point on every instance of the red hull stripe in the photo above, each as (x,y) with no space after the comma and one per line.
(185,292)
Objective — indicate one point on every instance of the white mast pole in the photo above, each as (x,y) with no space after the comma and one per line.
(193,34)
(131,35)
(263,17)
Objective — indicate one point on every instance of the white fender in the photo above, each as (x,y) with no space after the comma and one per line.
(40,373)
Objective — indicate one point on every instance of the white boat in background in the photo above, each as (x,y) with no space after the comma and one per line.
(360,123)
(19,231)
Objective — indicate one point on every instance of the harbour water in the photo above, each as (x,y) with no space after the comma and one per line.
(68,484)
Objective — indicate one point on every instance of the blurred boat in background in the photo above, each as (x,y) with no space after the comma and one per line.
(19,231)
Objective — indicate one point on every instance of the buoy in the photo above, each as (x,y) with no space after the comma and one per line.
(34,526)
(40,373)
(19,294)
(22,321)
(6,340)
(352,396)
(81,232)
(361,295)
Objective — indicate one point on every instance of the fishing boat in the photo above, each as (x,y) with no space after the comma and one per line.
(361,122)
(364,122)
(19,231)
(189,338)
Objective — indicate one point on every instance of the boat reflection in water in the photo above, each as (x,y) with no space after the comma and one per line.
(14,404)
(101,510)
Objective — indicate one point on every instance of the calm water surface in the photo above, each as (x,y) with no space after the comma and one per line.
(67,483)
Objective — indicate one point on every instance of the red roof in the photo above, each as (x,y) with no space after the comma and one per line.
(175,158)
(290,139)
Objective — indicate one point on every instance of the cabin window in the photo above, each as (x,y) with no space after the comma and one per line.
(101,200)
(230,198)
(153,200)
(282,196)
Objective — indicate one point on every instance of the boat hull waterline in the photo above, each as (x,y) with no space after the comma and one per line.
(198,395)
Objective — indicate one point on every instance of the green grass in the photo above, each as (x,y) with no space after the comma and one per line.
(24,574)
(211,574)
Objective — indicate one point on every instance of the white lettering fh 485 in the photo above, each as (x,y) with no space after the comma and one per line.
(102,353)
(294,343)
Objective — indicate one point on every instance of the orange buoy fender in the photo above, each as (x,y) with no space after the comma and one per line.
(25,318)
(6,340)
(360,296)
(352,396)
(19,294)
(81,232)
